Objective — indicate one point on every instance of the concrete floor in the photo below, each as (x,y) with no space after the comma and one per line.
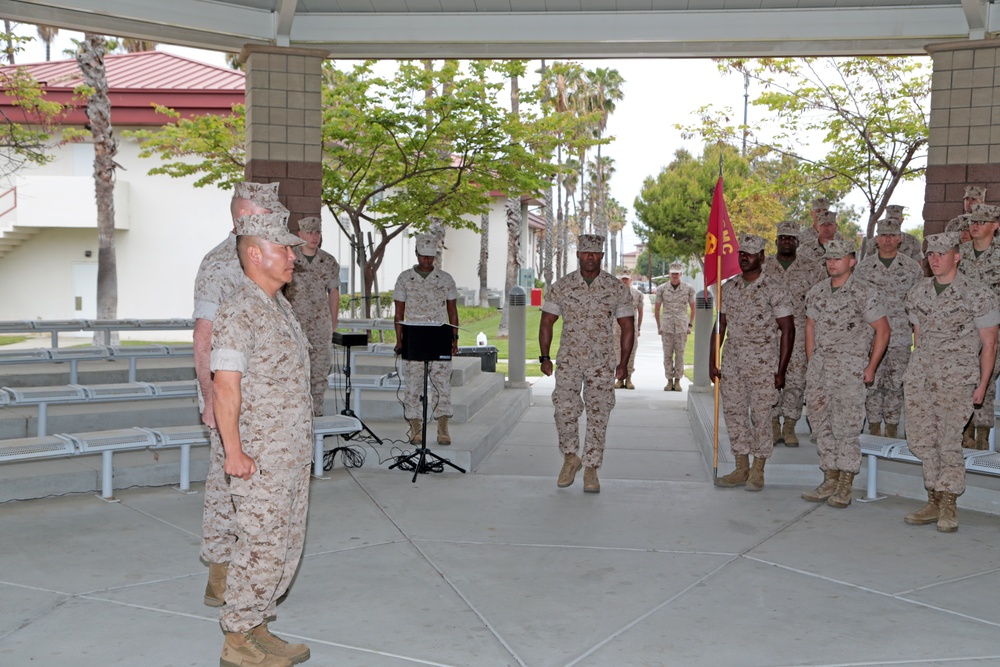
(499,567)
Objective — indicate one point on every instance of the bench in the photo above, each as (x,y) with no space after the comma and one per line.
(42,397)
(874,447)
(106,443)
(107,327)
(74,355)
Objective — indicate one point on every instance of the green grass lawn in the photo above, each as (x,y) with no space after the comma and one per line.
(10,340)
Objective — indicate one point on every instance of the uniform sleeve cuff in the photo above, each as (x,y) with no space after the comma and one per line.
(228,360)
(205,310)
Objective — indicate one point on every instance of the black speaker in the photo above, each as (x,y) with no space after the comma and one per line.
(427,341)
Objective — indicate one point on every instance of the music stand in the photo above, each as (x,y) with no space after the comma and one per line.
(426,342)
(348,341)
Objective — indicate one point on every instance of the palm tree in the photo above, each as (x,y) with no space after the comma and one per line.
(605,91)
(512,211)
(47,34)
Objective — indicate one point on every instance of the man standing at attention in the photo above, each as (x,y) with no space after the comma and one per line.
(752,305)
(674,312)
(812,247)
(846,335)
(589,301)
(616,333)
(426,294)
(315,296)
(260,361)
(955,342)
(218,275)
(981,264)
(799,275)
(892,273)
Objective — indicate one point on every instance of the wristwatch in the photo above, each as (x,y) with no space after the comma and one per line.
(544,358)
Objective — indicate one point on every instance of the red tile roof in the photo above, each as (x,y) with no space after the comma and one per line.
(136,81)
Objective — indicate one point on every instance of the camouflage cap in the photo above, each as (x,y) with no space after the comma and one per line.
(982,216)
(975,192)
(958,224)
(676,267)
(260,193)
(986,208)
(894,211)
(942,242)
(590,243)
(427,245)
(751,243)
(788,228)
(888,226)
(310,224)
(820,204)
(625,276)
(828,218)
(837,248)
(271,227)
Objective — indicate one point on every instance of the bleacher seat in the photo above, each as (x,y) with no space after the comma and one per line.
(24,449)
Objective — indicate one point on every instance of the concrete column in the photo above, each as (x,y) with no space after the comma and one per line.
(284,124)
(964,141)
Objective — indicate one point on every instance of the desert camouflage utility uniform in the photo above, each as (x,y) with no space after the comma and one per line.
(799,277)
(943,374)
(260,338)
(984,270)
(586,358)
(675,313)
(809,246)
(426,300)
(218,275)
(909,245)
(616,331)
(835,387)
(750,358)
(309,295)
(884,399)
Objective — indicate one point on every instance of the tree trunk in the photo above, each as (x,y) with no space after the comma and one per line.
(8,39)
(614,253)
(484,258)
(512,211)
(90,59)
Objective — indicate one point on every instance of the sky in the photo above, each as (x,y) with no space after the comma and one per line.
(658,94)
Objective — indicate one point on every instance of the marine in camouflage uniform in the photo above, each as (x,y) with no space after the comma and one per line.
(756,306)
(426,294)
(616,333)
(217,277)
(955,331)
(263,408)
(315,296)
(799,274)
(960,224)
(674,311)
(813,239)
(893,274)
(589,301)
(909,244)
(981,264)
(847,332)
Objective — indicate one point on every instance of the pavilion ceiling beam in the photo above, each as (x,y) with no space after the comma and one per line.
(975,15)
(284,18)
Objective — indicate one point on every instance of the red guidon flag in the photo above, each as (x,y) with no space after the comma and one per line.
(720,242)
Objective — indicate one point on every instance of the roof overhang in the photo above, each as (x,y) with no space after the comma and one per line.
(530,28)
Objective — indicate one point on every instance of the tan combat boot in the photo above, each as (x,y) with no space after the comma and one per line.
(416,432)
(891,430)
(969,437)
(983,437)
(926,514)
(628,382)
(775,430)
(841,498)
(215,590)
(755,480)
(571,464)
(788,433)
(875,429)
(948,515)
(824,490)
(737,477)
(619,384)
(590,482)
(670,386)
(677,384)
(277,646)
(444,438)
(243,650)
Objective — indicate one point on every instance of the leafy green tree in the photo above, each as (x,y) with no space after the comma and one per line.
(871,112)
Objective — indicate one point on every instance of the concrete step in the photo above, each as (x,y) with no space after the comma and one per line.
(463,369)
(466,399)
